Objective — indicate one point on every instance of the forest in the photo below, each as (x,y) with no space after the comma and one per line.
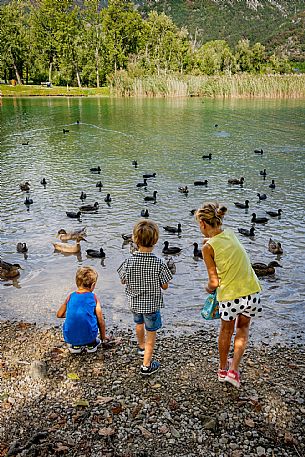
(65,44)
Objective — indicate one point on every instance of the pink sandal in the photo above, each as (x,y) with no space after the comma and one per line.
(233,378)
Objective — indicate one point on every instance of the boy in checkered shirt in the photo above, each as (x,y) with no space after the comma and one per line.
(144,275)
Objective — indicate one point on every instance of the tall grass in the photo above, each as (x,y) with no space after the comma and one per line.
(59,91)
(236,86)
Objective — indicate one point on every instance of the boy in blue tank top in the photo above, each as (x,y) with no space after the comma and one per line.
(83,313)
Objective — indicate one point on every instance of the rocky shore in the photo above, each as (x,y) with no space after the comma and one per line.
(53,403)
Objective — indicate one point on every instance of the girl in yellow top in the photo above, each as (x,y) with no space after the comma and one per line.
(230,271)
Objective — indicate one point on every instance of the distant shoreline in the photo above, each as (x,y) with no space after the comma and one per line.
(176,86)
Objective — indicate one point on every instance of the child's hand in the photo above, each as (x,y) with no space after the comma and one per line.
(209,290)
(107,338)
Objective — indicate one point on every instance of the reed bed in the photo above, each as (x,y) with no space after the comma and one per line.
(236,86)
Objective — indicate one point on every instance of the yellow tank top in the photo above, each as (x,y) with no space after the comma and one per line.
(235,273)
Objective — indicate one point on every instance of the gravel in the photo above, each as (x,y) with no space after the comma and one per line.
(54,403)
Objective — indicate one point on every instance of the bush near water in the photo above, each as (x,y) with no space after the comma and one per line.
(67,45)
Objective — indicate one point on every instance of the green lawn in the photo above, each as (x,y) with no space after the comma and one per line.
(64,91)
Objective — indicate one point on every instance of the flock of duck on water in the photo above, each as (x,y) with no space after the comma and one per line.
(10,271)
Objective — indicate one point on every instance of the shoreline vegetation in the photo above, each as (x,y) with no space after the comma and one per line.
(56,403)
(123,85)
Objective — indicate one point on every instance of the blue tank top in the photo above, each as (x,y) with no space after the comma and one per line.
(80,326)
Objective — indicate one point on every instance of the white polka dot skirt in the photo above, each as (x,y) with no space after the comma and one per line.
(249,306)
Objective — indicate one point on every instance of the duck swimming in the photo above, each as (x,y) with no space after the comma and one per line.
(97,254)
(73,215)
(275,247)
(151,198)
(144,213)
(261,269)
(99,184)
(22,247)
(209,156)
(183,190)
(170,229)
(171,265)
(142,184)
(25,186)
(246,232)
(9,270)
(67,248)
(258,151)
(193,211)
(236,181)
(170,250)
(262,196)
(258,220)
(272,185)
(242,205)
(28,201)
(201,183)
(263,172)
(96,169)
(76,235)
(43,182)
(134,163)
(86,208)
(149,175)
(65,130)
(107,199)
(197,252)
(127,237)
(275,213)
(83,196)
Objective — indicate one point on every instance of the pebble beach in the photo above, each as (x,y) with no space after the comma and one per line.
(54,403)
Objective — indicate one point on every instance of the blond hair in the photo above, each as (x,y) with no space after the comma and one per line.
(146,233)
(86,277)
(211,213)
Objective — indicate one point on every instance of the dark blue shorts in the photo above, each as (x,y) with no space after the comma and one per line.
(152,321)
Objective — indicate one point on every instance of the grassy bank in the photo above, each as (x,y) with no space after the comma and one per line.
(57,91)
(236,86)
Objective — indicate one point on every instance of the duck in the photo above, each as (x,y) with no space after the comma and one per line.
(43,182)
(86,208)
(183,189)
(73,215)
(258,220)
(28,201)
(97,254)
(242,205)
(261,269)
(132,247)
(171,265)
(258,151)
(151,198)
(272,185)
(149,175)
(236,181)
(9,270)
(201,183)
(76,235)
(127,237)
(275,213)
(67,248)
(22,247)
(96,169)
(65,130)
(144,213)
(142,184)
(263,172)
(262,196)
(209,156)
(193,211)
(134,163)
(170,250)
(107,199)
(25,186)
(275,247)
(246,232)
(83,196)
(170,229)
(25,143)
(197,252)
(99,184)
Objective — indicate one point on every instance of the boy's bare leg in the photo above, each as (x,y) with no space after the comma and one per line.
(224,342)
(241,340)
(140,332)
(149,347)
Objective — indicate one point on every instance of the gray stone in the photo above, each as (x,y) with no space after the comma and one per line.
(38,369)
(260,451)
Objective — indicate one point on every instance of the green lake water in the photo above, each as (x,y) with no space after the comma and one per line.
(167,137)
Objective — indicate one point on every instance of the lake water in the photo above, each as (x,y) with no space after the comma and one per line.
(167,137)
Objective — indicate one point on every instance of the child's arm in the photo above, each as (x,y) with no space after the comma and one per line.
(100,320)
(62,310)
(208,257)
(165,276)
(122,272)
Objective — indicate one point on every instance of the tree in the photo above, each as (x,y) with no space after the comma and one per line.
(215,57)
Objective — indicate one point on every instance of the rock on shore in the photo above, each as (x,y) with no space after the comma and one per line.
(53,403)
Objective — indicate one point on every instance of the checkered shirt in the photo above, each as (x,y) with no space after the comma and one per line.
(144,274)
